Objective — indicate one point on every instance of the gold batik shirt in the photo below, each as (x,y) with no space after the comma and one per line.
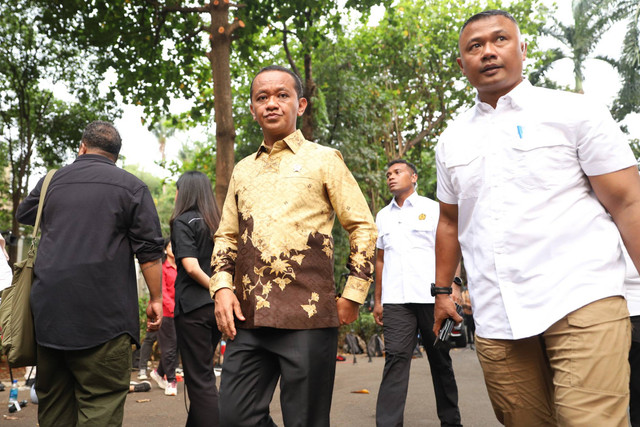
(274,243)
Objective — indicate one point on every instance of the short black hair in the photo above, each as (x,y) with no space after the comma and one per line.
(296,78)
(488,14)
(103,136)
(404,162)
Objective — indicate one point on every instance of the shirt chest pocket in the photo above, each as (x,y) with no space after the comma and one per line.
(422,233)
(466,169)
(541,160)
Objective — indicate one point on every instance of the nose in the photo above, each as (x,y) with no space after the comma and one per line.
(271,102)
(488,51)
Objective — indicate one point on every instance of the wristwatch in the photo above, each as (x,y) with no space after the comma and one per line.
(457,281)
(435,290)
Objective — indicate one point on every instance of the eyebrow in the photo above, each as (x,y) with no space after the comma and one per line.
(493,33)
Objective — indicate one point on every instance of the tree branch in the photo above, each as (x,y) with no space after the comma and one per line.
(288,53)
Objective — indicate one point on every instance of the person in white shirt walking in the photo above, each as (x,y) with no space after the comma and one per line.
(405,268)
(526,179)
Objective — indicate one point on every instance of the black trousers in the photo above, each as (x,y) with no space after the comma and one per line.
(147,348)
(401,325)
(303,360)
(471,328)
(168,349)
(198,336)
(634,362)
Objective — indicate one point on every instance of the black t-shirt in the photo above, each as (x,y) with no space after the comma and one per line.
(190,238)
(96,216)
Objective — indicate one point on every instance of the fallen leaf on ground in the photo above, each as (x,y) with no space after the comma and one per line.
(363,391)
(143,400)
(9,417)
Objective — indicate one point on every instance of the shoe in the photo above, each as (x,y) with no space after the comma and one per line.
(172,389)
(143,386)
(162,383)
(142,375)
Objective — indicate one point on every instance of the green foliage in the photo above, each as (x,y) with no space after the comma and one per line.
(156,55)
(365,327)
(628,99)
(36,129)
(143,301)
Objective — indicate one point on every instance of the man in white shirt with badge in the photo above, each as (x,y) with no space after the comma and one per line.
(405,268)
(527,179)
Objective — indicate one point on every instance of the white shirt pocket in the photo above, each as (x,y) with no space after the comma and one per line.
(541,159)
(466,169)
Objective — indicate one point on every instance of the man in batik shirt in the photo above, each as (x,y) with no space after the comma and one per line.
(273,265)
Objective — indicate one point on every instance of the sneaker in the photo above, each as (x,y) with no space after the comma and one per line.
(143,386)
(172,389)
(142,375)
(162,383)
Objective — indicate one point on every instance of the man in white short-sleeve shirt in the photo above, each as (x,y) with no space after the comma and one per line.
(405,268)
(525,180)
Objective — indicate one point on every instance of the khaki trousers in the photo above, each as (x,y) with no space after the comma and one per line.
(576,373)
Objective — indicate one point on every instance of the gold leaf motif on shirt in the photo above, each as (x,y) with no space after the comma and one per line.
(262,303)
(260,271)
(328,251)
(244,235)
(310,309)
(282,282)
(279,266)
(246,280)
(298,258)
(315,297)
(271,164)
(266,288)
(358,260)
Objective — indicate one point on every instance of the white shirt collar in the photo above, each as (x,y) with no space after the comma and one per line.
(410,199)
(516,98)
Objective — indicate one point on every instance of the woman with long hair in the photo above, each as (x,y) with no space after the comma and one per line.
(193,223)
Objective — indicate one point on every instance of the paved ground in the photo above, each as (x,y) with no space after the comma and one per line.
(349,409)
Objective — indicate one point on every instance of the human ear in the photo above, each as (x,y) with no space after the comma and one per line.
(302,105)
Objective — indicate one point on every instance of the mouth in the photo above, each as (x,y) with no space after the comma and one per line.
(271,116)
(489,68)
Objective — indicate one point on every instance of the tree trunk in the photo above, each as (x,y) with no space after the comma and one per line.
(309,93)
(225,130)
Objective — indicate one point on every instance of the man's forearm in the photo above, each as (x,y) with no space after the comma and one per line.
(152,272)
(447,246)
(377,293)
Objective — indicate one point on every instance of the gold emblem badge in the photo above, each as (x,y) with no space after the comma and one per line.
(422,217)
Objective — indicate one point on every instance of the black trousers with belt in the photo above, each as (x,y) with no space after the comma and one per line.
(401,325)
(303,360)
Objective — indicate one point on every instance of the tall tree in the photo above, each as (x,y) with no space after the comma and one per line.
(36,129)
(161,50)
(591,19)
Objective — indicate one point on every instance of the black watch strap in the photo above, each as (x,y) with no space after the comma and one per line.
(457,281)
(436,290)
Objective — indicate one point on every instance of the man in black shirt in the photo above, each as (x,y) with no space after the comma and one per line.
(96,216)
